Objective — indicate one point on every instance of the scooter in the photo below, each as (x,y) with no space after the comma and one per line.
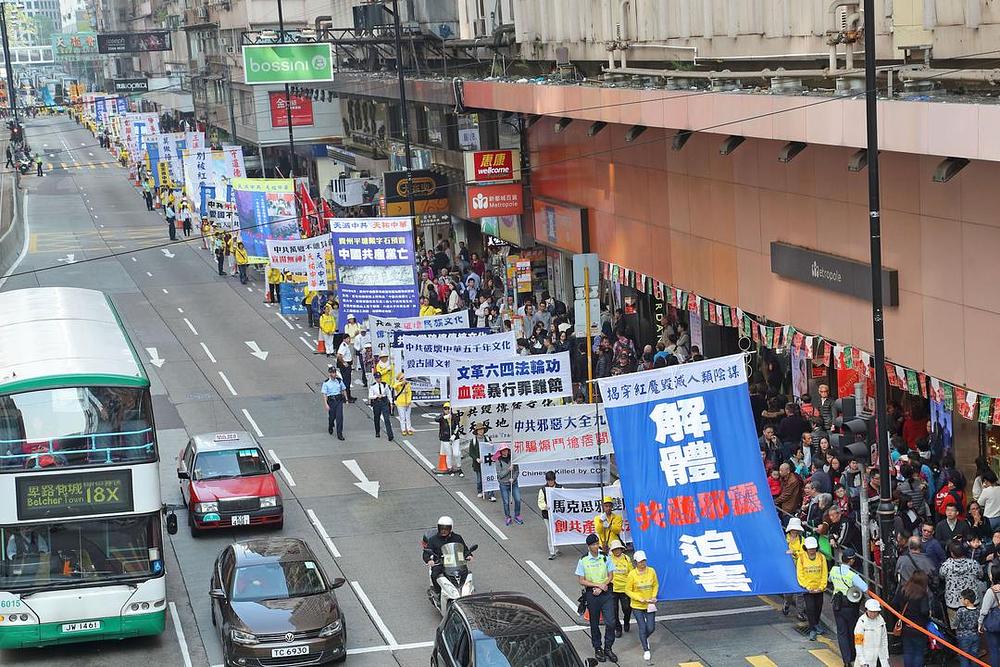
(455,580)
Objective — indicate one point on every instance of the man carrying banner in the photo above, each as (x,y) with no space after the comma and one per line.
(595,572)
(608,525)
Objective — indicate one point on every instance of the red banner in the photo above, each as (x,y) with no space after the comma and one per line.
(302,110)
(485,201)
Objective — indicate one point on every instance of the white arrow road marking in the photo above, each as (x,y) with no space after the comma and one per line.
(155,358)
(165,290)
(149,274)
(229,385)
(323,534)
(371,488)
(190,326)
(255,350)
(208,353)
(69,258)
(166,252)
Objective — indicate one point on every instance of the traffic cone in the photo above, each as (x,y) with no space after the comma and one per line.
(320,346)
(443,468)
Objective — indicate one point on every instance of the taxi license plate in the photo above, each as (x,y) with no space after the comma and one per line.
(241,520)
(289,651)
(81,626)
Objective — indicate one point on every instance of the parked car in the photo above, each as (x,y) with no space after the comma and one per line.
(502,630)
(227,480)
(272,605)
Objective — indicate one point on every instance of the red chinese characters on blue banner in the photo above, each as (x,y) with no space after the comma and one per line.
(695,490)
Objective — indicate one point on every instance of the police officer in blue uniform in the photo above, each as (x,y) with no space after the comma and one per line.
(334,396)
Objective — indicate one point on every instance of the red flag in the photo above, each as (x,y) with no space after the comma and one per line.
(307,210)
(327,212)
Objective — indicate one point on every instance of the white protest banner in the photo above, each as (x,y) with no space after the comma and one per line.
(432,354)
(223,214)
(578,471)
(559,433)
(572,513)
(488,469)
(381,328)
(517,379)
(498,417)
(303,256)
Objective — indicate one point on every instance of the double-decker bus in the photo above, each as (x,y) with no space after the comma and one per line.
(81,548)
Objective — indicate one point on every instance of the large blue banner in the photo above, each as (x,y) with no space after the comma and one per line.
(375,263)
(266,208)
(695,490)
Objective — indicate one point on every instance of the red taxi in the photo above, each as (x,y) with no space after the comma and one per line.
(227,481)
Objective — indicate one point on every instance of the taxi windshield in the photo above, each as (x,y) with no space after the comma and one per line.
(229,463)
(277,581)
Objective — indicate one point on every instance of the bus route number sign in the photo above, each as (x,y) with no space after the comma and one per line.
(74,494)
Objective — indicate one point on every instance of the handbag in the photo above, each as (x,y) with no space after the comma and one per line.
(897,630)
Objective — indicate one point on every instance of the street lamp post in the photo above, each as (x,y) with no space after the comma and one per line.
(403,111)
(886,510)
(11,91)
(288,102)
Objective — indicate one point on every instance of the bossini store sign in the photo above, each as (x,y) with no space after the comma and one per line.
(832,272)
(288,63)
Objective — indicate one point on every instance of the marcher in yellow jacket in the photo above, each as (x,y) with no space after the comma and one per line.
(426,309)
(608,525)
(642,586)
(812,572)
(242,259)
(327,329)
(403,392)
(307,300)
(274,280)
(793,537)
(623,566)
(383,369)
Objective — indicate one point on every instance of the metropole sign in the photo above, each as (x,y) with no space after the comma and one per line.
(288,63)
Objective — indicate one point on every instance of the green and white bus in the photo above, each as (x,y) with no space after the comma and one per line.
(81,548)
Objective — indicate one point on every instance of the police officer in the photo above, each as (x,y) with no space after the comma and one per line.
(843,578)
(595,572)
(334,395)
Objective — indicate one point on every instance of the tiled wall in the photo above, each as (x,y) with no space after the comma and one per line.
(704,222)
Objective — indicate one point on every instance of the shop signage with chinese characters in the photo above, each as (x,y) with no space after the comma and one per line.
(56,496)
(832,272)
(302,110)
(490,166)
(517,379)
(484,201)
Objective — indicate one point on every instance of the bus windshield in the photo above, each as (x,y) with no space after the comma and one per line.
(53,554)
(76,427)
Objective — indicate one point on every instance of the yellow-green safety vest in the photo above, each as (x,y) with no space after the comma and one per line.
(841,581)
(595,569)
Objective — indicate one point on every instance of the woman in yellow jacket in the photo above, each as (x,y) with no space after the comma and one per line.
(812,572)
(403,392)
(274,280)
(641,586)
(327,329)
(623,565)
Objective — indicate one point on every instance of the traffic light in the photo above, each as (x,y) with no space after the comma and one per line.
(16,134)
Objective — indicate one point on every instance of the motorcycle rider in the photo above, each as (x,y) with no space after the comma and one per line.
(444,535)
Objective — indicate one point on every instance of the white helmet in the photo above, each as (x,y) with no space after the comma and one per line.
(446,521)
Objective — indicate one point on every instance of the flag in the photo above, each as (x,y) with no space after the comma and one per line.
(985,406)
(307,210)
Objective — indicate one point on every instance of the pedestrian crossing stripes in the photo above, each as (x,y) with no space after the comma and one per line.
(79,165)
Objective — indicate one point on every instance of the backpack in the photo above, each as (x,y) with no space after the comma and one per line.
(992,621)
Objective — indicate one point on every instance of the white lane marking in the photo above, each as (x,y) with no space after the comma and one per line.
(149,274)
(249,289)
(229,385)
(134,259)
(190,326)
(256,429)
(179,631)
(306,343)
(287,323)
(323,534)
(180,310)
(492,526)
(370,608)
(284,471)
(299,326)
(417,453)
(267,305)
(165,290)
(208,354)
(382,649)
(555,589)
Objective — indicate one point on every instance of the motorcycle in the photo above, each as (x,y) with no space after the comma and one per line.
(455,580)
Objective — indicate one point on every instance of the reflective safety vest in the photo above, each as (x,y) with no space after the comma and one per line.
(595,569)
(842,578)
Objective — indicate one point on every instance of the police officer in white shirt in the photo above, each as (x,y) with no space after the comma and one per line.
(334,394)
(345,361)
(380,398)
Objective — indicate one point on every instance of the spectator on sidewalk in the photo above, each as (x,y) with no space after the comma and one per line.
(966,627)
(913,603)
(871,639)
